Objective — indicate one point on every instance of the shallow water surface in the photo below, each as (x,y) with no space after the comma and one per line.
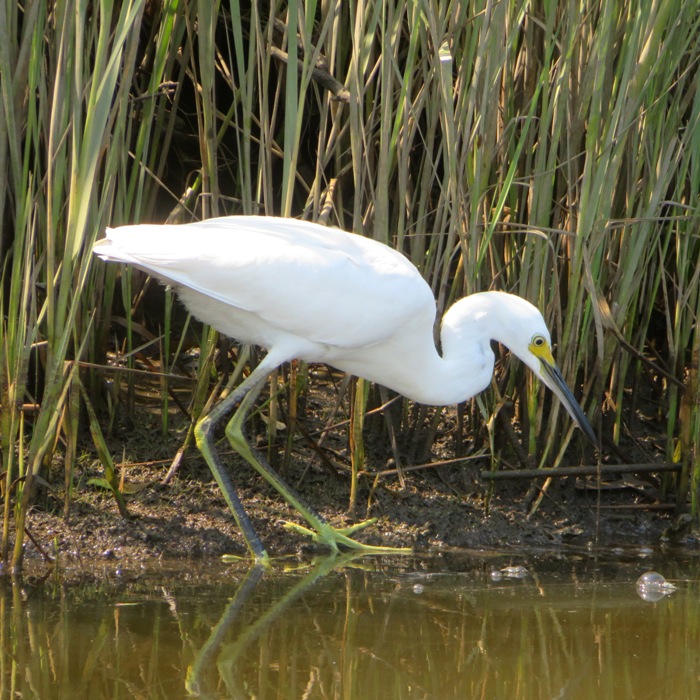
(471,625)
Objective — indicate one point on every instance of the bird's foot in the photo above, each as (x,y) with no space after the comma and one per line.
(338,539)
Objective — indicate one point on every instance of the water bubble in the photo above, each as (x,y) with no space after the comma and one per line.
(418,589)
(652,586)
(653,579)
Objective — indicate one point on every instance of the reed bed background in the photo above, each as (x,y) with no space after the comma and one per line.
(551,149)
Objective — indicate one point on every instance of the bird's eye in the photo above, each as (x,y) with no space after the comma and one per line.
(538,341)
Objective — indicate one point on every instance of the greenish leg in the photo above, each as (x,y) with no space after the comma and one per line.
(321,531)
(204,435)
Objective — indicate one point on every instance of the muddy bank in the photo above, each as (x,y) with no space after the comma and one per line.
(436,509)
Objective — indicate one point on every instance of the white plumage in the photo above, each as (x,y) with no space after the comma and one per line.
(302,290)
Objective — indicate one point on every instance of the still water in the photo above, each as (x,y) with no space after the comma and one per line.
(471,625)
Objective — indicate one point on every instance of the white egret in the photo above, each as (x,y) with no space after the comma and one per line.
(304,291)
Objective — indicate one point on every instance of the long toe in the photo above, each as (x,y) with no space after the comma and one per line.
(338,540)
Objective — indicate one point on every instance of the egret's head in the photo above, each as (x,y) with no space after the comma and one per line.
(549,373)
(526,335)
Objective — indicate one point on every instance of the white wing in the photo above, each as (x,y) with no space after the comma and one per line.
(321,284)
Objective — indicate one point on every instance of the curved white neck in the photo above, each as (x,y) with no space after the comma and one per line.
(410,364)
